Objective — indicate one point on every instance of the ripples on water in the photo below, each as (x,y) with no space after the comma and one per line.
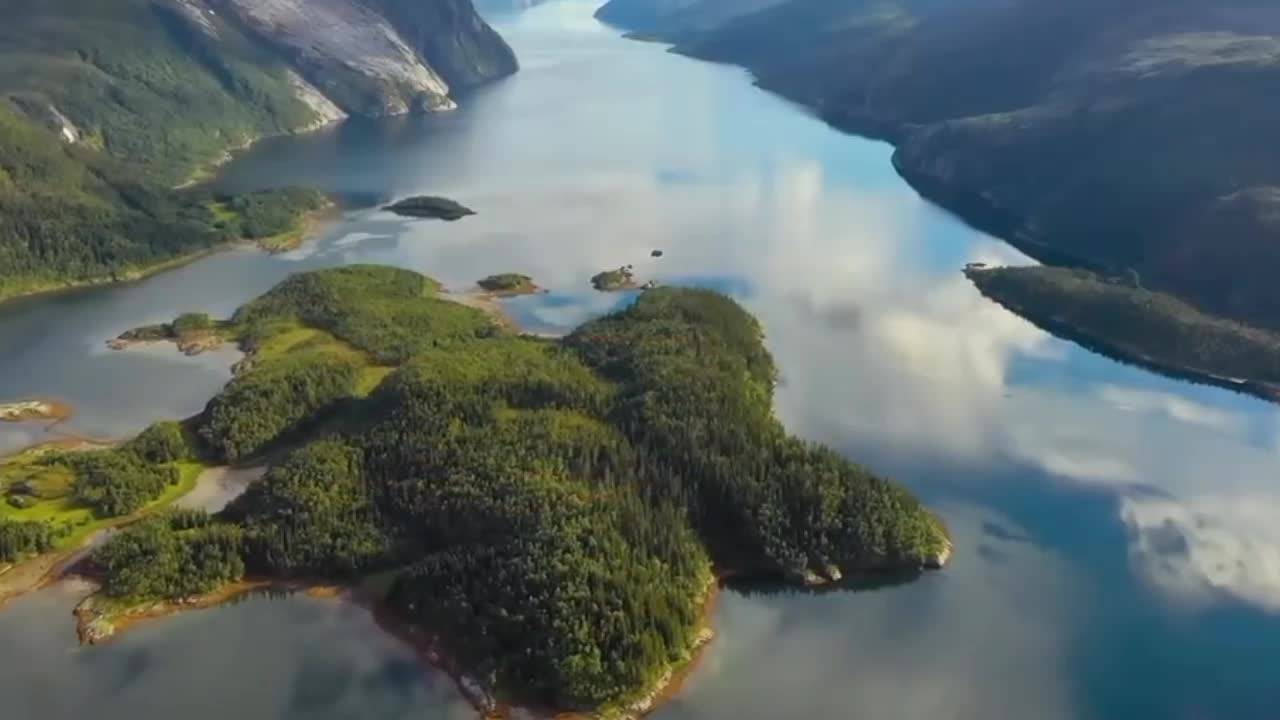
(1117,556)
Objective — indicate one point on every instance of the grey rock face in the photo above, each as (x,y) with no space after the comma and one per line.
(366,57)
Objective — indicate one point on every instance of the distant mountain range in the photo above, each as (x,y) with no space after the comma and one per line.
(1117,134)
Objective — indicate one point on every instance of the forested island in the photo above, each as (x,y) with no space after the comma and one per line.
(431,206)
(1120,318)
(623,278)
(553,513)
(507,284)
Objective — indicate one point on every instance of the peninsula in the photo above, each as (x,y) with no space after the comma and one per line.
(1119,318)
(553,514)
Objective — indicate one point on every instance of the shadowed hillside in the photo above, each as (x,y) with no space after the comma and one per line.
(1121,135)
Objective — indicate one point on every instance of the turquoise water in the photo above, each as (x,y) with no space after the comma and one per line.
(1117,554)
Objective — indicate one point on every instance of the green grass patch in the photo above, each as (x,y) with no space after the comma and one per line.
(57,505)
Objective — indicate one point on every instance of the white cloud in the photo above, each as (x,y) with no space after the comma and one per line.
(1174,406)
(904,652)
(1198,548)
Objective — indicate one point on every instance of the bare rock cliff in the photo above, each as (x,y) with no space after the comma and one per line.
(365,57)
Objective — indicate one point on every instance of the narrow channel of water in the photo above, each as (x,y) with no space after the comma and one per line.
(1117,554)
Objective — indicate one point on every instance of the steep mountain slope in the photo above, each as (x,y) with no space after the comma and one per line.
(104,105)
(1130,134)
(170,84)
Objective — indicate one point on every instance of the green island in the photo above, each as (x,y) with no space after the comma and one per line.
(553,513)
(430,206)
(1118,317)
(508,284)
(614,280)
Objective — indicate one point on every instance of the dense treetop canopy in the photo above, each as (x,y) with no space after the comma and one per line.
(554,511)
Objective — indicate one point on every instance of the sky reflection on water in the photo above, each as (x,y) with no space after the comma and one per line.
(1117,555)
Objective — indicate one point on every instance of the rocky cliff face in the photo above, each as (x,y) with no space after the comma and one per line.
(452,38)
(1126,134)
(370,57)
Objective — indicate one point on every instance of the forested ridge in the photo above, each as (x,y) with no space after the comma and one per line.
(102,109)
(1127,134)
(70,214)
(105,107)
(553,511)
(1119,316)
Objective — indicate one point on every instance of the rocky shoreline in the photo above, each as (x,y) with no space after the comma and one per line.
(34,410)
(489,706)
(100,621)
(189,346)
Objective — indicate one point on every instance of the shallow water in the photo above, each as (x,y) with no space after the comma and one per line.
(1117,555)
(295,657)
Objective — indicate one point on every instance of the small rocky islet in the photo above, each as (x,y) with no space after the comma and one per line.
(508,285)
(623,278)
(29,410)
(430,206)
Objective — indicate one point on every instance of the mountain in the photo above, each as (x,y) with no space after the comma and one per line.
(677,17)
(105,105)
(1118,134)
(171,84)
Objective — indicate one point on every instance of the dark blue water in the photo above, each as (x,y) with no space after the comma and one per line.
(1118,550)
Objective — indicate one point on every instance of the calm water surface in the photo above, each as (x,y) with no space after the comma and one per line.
(1118,544)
